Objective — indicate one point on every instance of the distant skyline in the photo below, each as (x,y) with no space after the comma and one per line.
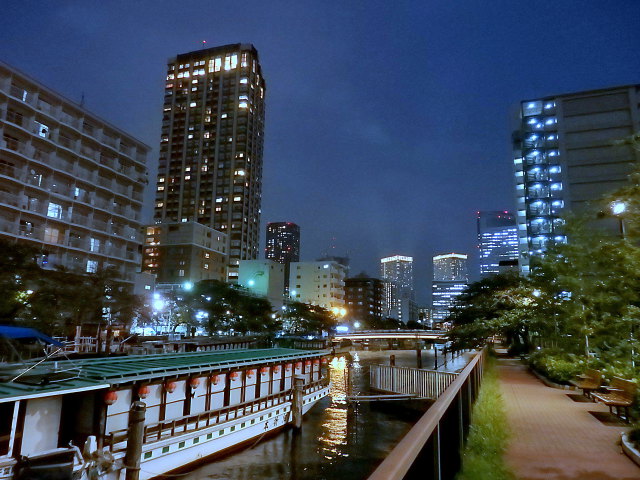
(387,123)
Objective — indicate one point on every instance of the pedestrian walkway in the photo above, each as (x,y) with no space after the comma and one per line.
(555,437)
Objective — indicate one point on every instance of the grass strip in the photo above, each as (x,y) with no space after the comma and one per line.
(483,456)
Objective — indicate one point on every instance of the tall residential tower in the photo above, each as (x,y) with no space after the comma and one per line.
(398,272)
(283,245)
(210,168)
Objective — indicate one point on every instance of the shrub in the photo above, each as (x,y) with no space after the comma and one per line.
(557,366)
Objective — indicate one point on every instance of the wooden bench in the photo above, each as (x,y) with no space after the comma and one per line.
(590,380)
(621,394)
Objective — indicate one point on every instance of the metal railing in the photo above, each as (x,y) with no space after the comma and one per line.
(411,381)
(432,448)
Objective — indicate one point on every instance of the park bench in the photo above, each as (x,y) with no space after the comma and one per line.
(590,380)
(620,394)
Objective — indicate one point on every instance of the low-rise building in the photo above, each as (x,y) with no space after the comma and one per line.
(318,283)
(264,278)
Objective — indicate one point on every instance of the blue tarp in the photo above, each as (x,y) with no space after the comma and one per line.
(22,332)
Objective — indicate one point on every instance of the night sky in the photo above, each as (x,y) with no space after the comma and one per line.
(388,122)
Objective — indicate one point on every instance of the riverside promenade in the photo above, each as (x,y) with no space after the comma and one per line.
(554,435)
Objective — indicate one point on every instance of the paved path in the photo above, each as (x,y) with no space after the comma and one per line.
(556,438)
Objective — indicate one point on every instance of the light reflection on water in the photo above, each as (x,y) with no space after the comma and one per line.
(337,440)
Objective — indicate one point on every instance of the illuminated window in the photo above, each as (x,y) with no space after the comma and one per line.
(224,115)
(239,172)
(230,61)
(94,244)
(244,81)
(243,105)
(181,273)
(192,104)
(160,188)
(160,179)
(92,266)
(244,63)
(51,235)
(54,210)
(237,199)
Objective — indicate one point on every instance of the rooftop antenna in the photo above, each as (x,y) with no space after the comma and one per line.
(82,100)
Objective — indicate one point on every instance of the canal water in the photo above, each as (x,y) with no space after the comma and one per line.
(337,440)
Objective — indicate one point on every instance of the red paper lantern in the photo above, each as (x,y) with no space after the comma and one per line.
(170,386)
(215,379)
(194,382)
(143,391)
(110,397)
(276,369)
(264,370)
(250,373)
(234,375)
(324,360)
(316,361)
(298,365)
(307,362)
(288,367)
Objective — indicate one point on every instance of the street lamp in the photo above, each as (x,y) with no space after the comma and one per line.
(618,208)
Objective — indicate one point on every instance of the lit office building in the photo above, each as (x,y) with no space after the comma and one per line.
(497,240)
(72,184)
(283,245)
(210,168)
(398,271)
(565,156)
(450,279)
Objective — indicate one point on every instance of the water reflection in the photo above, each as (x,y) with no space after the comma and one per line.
(334,426)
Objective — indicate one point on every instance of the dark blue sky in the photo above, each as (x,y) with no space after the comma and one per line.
(387,121)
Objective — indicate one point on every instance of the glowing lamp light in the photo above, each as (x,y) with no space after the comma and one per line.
(170,387)
(342,329)
(144,391)
(187,286)
(110,397)
(618,208)
(356,324)
(215,379)
(251,283)
(194,382)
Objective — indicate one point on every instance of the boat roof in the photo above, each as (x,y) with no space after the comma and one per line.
(98,373)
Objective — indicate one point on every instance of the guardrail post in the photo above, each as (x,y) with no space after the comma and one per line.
(437,471)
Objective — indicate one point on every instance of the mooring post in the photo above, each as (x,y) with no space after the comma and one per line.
(435,356)
(419,356)
(298,400)
(135,440)
(392,360)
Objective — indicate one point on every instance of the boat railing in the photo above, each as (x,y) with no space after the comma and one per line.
(154,432)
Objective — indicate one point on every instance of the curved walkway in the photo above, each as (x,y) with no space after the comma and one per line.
(554,437)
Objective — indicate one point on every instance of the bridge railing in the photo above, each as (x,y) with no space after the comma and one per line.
(411,381)
(432,448)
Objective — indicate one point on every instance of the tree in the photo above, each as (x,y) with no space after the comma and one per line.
(300,318)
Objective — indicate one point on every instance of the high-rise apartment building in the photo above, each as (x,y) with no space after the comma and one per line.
(283,245)
(365,299)
(398,271)
(210,168)
(497,240)
(318,283)
(450,279)
(71,184)
(566,155)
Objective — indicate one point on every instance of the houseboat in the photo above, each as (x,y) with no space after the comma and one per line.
(71,418)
